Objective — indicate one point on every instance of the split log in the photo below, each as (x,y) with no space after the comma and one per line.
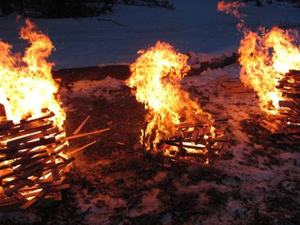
(82,148)
(221,62)
(81,125)
(86,134)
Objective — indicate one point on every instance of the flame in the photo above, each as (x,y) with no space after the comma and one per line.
(27,87)
(156,77)
(232,8)
(265,57)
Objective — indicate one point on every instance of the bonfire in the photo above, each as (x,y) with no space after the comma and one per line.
(32,135)
(176,125)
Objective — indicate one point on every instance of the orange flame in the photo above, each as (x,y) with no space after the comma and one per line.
(156,77)
(265,57)
(27,86)
(232,8)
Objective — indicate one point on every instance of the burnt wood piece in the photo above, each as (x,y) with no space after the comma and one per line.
(23,140)
(221,62)
(31,151)
(286,125)
(26,125)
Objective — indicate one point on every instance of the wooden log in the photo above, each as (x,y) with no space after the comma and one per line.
(47,116)
(273,126)
(195,133)
(204,120)
(185,146)
(288,104)
(81,148)
(19,197)
(60,188)
(214,63)
(42,141)
(23,140)
(86,134)
(9,191)
(4,125)
(35,200)
(294,72)
(198,155)
(22,154)
(55,174)
(25,174)
(29,131)
(81,125)
(27,161)
(217,80)
(57,196)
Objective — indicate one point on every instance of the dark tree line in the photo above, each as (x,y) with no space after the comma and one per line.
(71,8)
(56,8)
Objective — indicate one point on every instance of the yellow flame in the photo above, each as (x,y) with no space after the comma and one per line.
(265,57)
(27,86)
(156,77)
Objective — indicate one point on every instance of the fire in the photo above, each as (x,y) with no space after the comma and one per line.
(156,77)
(232,8)
(27,87)
(265,57)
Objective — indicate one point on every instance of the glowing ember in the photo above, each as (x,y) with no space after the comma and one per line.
(232,8)
(265,57)
(27,87)
(156,77)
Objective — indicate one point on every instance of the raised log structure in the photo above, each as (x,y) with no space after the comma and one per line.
(198,143)
(286,125)
(32,163)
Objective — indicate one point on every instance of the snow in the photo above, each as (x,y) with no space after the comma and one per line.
(92,88)
(193,26)
(197,28)
(149,204)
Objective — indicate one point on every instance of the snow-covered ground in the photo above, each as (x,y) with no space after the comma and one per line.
(194,25)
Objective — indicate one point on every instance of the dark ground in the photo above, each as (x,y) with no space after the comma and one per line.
(115,182)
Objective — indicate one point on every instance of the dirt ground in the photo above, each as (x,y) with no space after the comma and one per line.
(115,182)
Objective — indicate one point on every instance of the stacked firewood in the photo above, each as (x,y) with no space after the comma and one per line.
(234,86)
(198,143)
(32,163)
(286,125)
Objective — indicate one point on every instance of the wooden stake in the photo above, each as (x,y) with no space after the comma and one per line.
(81,125)
(82,148)
(87,134)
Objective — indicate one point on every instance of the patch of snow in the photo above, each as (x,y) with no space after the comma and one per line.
(92,88)
(149,204)
(193,26)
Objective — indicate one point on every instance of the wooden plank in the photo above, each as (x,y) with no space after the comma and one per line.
(81,125)
(86,134)
(81,148)
(57,196)
(35,200)
(22,140)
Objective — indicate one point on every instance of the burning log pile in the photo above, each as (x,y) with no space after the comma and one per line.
(271,66)
(286,125)
(32,135)
(200,142)
(32,163)
(176,125)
